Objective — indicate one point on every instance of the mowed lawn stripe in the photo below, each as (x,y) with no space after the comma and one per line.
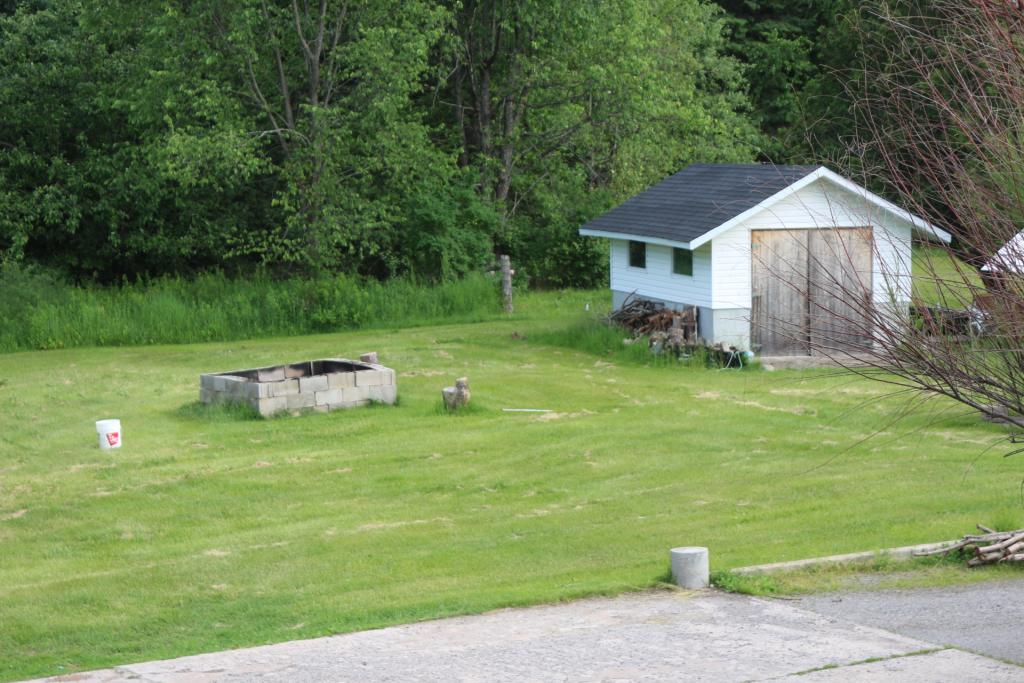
(209,531)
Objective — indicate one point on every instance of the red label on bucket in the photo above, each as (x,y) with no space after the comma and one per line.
(112,438)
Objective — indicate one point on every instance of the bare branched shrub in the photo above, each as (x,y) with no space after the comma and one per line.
(940,106)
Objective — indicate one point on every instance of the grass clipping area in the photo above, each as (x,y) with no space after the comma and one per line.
(211,530)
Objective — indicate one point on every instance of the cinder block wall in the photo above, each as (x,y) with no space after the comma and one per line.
(328,391)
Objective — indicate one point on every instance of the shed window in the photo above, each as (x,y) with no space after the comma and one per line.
(682,261)
(638,254)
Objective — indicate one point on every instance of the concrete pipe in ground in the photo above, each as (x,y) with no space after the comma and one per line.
(690,567)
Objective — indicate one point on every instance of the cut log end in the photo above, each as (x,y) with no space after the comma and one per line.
(458,396)
(992,547)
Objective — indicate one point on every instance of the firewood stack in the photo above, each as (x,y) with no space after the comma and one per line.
(990,547)
(644,317)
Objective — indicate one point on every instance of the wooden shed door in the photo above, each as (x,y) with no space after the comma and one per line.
(802,285)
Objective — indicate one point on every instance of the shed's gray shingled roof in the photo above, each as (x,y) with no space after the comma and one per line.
(697,200)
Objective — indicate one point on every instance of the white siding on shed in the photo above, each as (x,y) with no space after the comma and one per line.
(819,205)
(657,281)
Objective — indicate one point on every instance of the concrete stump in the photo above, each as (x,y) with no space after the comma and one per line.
(457,396)
(370,357)
(690,567)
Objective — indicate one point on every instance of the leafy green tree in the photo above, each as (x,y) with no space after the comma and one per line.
(790,49)
(96,179)
(557,105)
(326,104)
(378,137)
(146,137)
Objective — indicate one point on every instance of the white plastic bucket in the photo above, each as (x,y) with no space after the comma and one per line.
(110,433)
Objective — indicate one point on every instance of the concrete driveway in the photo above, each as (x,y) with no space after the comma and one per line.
(653,636)
(987,618)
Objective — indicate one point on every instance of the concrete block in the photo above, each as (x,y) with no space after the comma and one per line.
(313,384)
(340,380)
(223,383)
(284,387)
(293,388)
(330,396)
(357,394)
(274,404)
(300,401)
(369,378)
(385,393)
(298,370)
(256,390)
(218,396)
(270,374)
(690,567)
(236,386)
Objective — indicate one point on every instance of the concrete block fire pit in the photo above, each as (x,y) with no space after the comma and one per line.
(327,384)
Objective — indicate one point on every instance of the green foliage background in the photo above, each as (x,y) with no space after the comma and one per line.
(380,138)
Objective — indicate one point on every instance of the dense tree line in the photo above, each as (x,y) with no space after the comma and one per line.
(799,55)
(378,137)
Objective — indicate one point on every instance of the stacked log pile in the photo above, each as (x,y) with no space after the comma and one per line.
(645,317)
(989,547)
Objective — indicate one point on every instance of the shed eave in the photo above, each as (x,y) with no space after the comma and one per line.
(609,234)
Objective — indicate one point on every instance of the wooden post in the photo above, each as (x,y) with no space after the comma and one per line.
(506,281)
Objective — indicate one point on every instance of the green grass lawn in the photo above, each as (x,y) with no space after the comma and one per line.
(943,280)
(208,531)
(880,573)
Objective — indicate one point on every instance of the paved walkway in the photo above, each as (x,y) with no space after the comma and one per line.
(983,617)
(655,636)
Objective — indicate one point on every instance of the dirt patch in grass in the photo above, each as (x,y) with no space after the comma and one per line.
(794,410)
(376,526)
(17,514)
(78,467)
(548,417)
(961,438)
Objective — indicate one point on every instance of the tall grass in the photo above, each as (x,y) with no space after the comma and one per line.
(596,336)
(38,311)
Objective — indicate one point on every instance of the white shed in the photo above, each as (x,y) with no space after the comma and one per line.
(1009,258)
(716,237)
